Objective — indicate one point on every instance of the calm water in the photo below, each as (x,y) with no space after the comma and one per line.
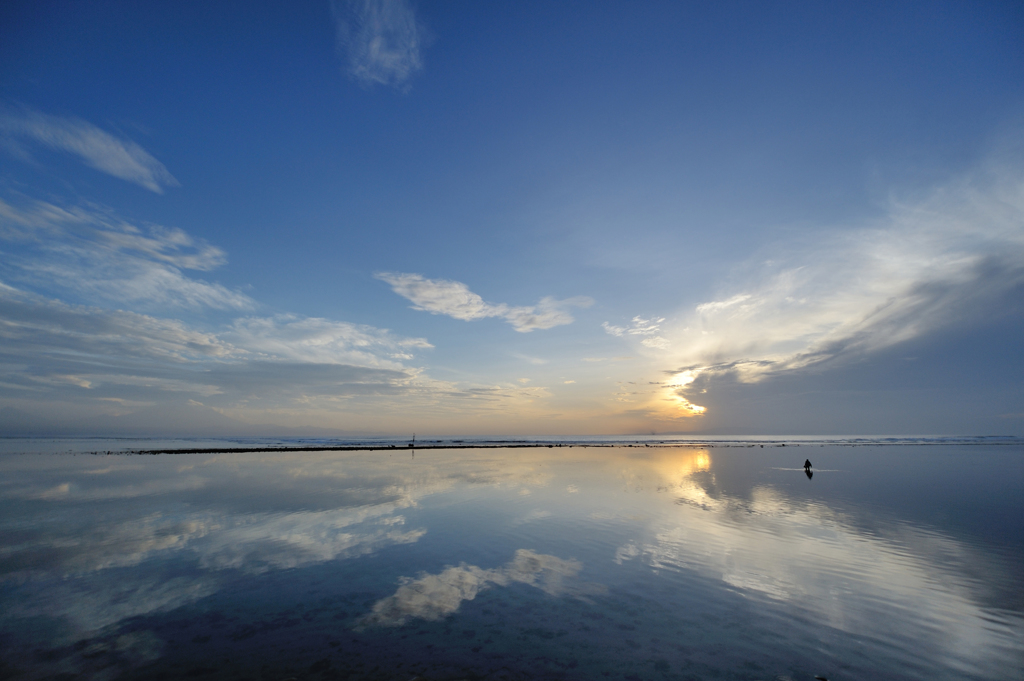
(667,562)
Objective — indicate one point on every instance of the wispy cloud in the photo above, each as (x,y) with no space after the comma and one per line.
(454,299)
(63,351)
(89,251)
(40,332)
(115,156)
(382,39)
(33,326)
(96,360)
(648,328)
(948,258)
(323,341)
(532,360)
(51,347)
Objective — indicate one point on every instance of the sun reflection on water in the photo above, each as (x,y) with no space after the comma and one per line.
(680,464)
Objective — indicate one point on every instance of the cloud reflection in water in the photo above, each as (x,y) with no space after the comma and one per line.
(824,563)
(87,539)
(433,597)
(698,535)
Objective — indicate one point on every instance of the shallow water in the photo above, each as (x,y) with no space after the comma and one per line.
(665,562)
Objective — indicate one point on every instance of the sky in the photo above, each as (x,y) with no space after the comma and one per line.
(380,217)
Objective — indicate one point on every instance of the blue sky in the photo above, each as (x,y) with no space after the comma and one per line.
(546,218)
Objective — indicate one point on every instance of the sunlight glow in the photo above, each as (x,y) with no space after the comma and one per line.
(675,469)
(675,387)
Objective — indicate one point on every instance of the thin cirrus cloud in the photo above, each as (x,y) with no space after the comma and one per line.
(381,39)
(50,349)
(43,332)
(92,253)
(324,341)
(454,299)
(648,328)
(103,151)
(954,256)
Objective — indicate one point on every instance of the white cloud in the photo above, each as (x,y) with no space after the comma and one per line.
(640,327)
(102,362)
(318,340)
(381,38)
(718,306)
(114,362)
(33,327)
(655,342)
(139,281)
(946,259)
(546,314)
(117,359)
(454,299)
(85,353)
(441,296)
(90,252)
(112,155)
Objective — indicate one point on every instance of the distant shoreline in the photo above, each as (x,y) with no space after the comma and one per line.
(227,445)
(552,445)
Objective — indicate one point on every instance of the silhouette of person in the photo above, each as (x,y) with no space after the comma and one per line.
(807,464)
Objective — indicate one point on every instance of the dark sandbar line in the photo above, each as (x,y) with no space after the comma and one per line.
(345,448)
(710,444)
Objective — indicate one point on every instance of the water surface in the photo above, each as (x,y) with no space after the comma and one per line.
(723,561)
